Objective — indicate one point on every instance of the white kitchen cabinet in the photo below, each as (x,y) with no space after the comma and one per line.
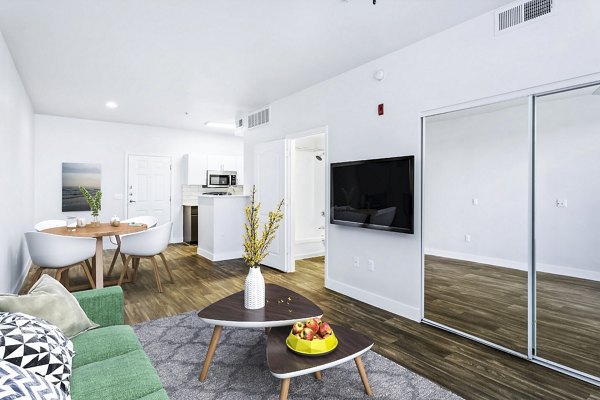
(195,166)
(214,162)
(229,163)
(239,167)
(194,169)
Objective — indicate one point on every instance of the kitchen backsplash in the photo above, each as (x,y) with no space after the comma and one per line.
(189,193)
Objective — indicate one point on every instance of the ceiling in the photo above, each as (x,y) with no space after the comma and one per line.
(180,63)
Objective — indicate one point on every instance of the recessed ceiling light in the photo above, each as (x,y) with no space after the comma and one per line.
(111,104)
(222,125)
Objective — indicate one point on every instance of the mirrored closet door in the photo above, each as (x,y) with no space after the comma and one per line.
(476,222)
(567,228)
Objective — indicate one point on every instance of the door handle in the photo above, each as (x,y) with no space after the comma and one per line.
(132,201)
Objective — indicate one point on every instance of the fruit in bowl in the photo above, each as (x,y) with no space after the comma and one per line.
(311,337)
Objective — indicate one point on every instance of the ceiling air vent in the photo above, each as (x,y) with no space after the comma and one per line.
(521,13)
(259,118)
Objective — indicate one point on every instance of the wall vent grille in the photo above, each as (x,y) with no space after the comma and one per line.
(259,118)
(523,12)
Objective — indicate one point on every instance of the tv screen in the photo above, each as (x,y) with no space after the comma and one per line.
(374,194)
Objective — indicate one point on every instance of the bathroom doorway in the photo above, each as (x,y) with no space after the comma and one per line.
(308,196)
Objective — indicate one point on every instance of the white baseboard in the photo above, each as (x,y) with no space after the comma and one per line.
(227,255)
(521,266)
(309,255)
(308,248)
(21,280)
(568,271)
(396,307)
(498,262)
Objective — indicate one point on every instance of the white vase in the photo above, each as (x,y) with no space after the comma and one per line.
(254,289)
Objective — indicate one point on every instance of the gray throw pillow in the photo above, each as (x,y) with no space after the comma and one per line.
(50,301)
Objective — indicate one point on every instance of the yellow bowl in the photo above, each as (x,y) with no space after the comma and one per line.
(313,347)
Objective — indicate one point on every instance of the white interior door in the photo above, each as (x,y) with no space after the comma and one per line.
(270,166)
(149,187)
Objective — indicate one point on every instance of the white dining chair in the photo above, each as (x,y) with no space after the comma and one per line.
(60,253)
(147,220)
(50,223)
(147,244)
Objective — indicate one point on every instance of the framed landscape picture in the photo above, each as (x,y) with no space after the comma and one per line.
(75,175)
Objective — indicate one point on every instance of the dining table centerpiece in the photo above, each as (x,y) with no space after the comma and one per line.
(95,203)
(256,248)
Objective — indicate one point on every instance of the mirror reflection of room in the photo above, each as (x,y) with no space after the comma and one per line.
(567,187)
(475,216)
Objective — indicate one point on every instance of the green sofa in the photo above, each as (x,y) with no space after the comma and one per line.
(109,361)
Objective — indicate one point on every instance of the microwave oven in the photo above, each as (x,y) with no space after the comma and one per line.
(221,179)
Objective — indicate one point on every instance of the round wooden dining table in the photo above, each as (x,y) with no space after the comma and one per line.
(98,232)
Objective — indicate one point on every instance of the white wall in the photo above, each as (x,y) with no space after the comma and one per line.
(480,154)
(568,168)
(485,154)
(16,178)
(459,65)
(309,201)
(59,140)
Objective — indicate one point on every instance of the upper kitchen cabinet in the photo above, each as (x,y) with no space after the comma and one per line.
(222,163)
(194,169)
(195,166)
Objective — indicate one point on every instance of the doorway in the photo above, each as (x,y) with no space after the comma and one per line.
(308,196)
(149,186)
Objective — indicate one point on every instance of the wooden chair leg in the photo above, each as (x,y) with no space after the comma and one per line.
(92,269)
(124,270)
(114,260)
(162,256)
(136,264)
(88,273)
(156,274)
(37,274)
(57,274)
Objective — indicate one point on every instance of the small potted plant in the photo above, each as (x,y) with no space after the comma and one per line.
(256,248)
(95,203)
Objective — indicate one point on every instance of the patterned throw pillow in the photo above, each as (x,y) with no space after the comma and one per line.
(19,383)
(35,345)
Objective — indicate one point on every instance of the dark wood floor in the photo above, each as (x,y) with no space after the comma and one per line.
(491,302)
(483,300)
(469,369)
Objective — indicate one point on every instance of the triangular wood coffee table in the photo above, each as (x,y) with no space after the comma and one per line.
(285,364)
(282,308)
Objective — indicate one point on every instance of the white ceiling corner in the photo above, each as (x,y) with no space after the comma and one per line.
(159,59)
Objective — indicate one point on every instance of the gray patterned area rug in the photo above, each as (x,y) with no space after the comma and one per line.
(177,346)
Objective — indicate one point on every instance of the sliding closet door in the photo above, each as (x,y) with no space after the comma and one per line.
(567,229)
(476,222)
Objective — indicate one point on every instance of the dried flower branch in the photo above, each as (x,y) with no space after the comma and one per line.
(256,245)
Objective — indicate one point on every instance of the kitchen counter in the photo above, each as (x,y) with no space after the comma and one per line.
(220,226)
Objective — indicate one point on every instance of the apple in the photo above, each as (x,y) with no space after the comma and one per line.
(319,322)
(326,336)
(312,324)
(325,329)
(307,334)
(298,326)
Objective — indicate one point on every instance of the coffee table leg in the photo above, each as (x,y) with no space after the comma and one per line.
(211,351)
(363,375)
(285,387)
(318,375)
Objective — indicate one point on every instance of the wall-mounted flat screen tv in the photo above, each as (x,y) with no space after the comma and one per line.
(374,194)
